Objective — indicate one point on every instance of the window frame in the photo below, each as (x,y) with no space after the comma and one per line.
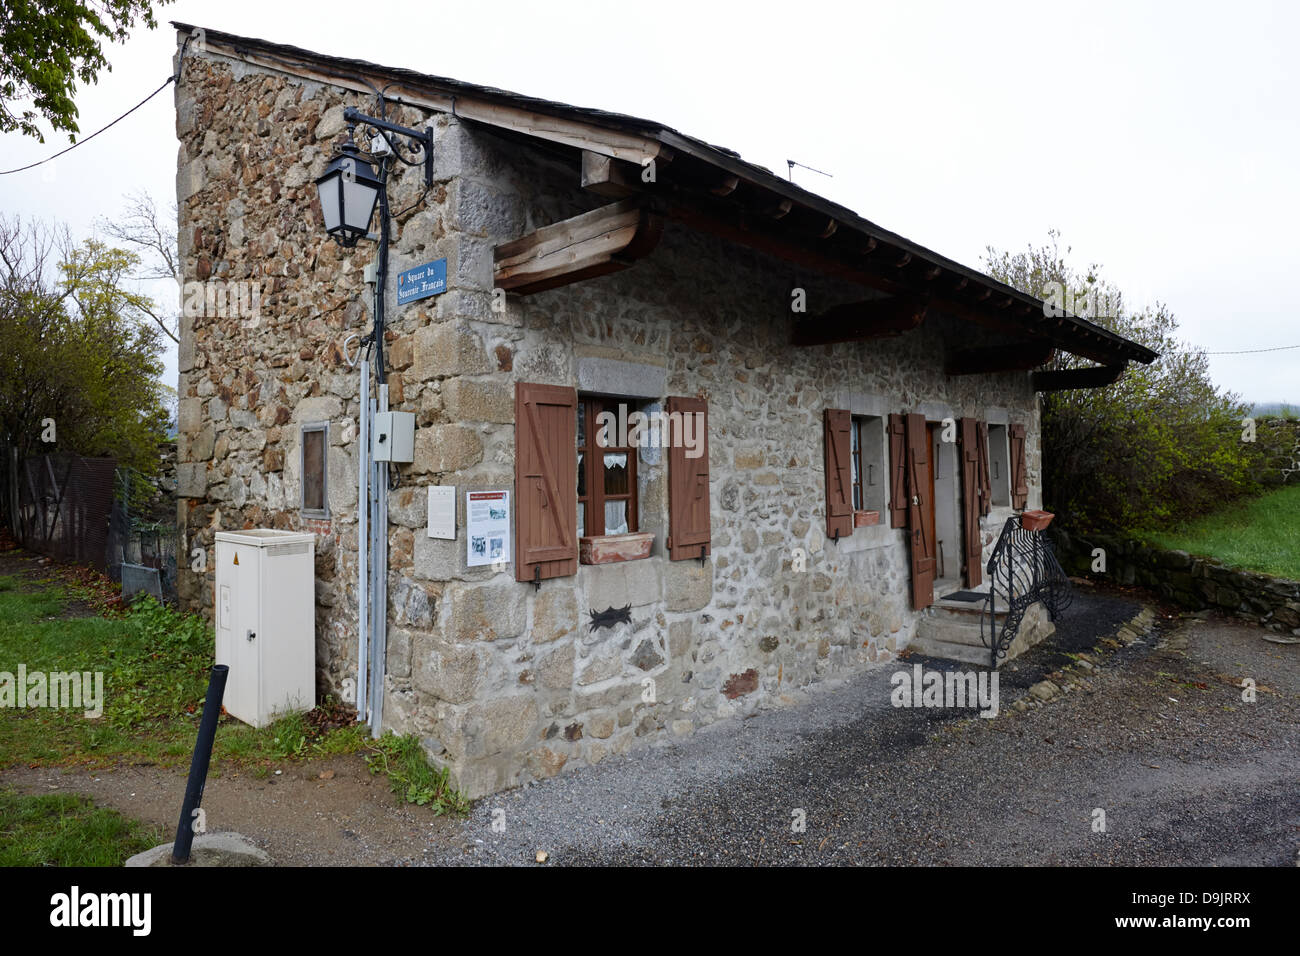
(591,469)
(323,428)
(855,463)
(874,428)
(999,485)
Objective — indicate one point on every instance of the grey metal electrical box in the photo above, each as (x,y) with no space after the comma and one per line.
(394,436)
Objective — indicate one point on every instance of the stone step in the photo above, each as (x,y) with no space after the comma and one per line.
(963,629)
(956,636)
(944,650)
(963,611)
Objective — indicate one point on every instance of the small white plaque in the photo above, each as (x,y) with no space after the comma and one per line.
(442,511)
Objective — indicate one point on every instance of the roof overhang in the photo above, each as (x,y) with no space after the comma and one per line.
(713,189)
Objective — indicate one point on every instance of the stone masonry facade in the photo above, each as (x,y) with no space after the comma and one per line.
(501,683)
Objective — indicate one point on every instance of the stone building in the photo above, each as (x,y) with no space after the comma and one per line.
(869,407)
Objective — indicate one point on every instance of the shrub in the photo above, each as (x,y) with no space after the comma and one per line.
(1160,445)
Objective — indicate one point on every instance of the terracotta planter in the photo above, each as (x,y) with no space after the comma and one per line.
(1035,520)
(865,519)
(612,548)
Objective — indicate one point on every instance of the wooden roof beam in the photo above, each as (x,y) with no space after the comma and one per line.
(857,321)
(1016,357)
(593,244)
(1074,342)
(761,233)
(1059,380)
(611,177)
(781,209)
(726,186)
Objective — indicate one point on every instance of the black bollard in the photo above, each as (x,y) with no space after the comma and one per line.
(199,763)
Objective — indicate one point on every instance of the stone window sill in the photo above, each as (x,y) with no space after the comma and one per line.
(613,548)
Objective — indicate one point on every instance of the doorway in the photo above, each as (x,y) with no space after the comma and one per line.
(945,508)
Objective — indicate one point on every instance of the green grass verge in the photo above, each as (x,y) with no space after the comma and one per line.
(155,663)
(412,778)
(61,830)
(1260,534)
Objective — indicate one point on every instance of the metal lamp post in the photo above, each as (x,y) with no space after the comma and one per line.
(349,190)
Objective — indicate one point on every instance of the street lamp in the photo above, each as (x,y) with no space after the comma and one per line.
(348,192)
(350,189)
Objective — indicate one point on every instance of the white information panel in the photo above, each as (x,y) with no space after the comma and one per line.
(487,527)
(442,511)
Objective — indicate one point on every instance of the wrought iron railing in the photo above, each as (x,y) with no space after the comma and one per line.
(1022,571)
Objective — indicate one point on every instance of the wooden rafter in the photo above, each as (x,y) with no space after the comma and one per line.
(557,129)
(608,176)
(1059,380)
(770,237)
(726,186)
(856,321)
(1017,357)
(593,244)
(781,209)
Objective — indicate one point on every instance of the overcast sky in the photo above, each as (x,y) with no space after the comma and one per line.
(1161,139)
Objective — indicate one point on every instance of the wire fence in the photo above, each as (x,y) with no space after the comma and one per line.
(79,510)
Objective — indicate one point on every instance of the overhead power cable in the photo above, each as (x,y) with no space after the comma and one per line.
(47,159)
(175,77)
(1279,348)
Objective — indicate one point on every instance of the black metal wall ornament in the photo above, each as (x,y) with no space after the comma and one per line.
(609,617)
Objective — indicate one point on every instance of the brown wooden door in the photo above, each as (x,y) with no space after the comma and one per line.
(971,487)
(934,436)
(920,511)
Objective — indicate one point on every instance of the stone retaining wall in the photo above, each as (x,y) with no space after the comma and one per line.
(1191,582)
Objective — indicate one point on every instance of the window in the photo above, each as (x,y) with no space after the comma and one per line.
(607,499)
(867,455)
(999,465)
(315,448)
(855,456)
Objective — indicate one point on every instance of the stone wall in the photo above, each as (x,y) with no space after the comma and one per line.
(503,683)
(1191,582)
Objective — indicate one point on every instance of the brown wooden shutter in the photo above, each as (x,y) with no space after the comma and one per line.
(986,485)
(688,483)
(1019,471)
(897,472)
(920,489)
(971,490)
(839,472)
(546,481)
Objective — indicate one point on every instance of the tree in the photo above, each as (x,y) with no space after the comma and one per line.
(79,351)
(1162,444)
(48,46)
(141,229)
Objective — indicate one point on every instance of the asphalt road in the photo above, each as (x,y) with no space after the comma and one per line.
(1158,737)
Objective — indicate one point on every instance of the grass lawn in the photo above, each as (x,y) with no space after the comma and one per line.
(1262,534)
(155,665)
(59,830)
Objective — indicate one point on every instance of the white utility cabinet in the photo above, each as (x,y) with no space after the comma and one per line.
(394,437)
(266,622)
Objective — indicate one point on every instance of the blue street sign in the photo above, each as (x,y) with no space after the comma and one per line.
(422,281)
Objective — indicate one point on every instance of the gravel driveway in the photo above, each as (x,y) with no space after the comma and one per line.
(1158,737)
